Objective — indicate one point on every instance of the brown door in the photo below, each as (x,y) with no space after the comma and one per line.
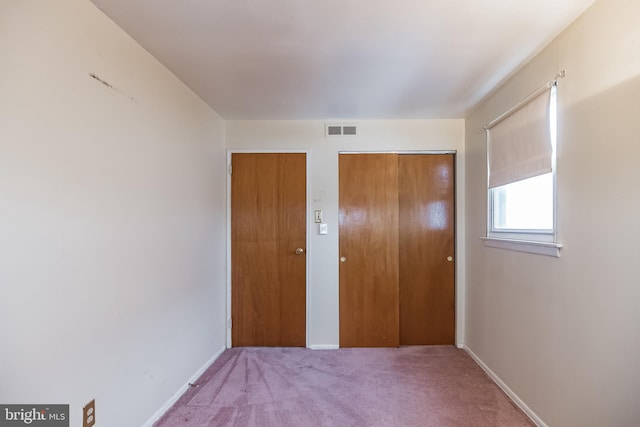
(396,248)
(427,294)
(268,256)
(368,227)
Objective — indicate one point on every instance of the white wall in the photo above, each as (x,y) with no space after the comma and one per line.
(322,321)
(563,333)
(112,218)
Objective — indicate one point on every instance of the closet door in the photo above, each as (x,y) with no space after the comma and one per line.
(368,227)
(426,247)
(396,227)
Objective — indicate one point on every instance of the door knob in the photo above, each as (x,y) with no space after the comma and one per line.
(299,251)
(343,259)
(449,258)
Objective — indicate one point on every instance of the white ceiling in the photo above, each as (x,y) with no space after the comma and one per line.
(342,59)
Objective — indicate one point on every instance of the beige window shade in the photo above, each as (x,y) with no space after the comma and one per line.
(519,145)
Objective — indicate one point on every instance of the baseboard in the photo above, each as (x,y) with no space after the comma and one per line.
(169,403)
(324,346)
(512,395)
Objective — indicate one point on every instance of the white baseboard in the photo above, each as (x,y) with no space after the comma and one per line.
(512,395)
(324,346)
(169,403)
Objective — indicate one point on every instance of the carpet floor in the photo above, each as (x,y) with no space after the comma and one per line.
(408,386)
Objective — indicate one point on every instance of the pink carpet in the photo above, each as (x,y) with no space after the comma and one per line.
(407,386)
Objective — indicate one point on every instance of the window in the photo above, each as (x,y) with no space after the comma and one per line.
(524,205)
(521,147)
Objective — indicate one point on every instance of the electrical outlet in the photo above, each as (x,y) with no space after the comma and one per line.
(89,414)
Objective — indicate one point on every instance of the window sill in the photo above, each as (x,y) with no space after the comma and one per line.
(539,248)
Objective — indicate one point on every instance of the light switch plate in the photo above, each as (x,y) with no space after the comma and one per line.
(318,216)
(323,229)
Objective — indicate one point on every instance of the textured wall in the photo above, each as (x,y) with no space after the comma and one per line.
(375,135)
(563,333)
(112,217)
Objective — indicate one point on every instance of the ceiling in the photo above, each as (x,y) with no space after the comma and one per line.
(342,59)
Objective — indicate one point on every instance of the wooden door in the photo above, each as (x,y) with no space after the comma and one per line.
(368,227)
(427,267)
(397,284)
(268,277)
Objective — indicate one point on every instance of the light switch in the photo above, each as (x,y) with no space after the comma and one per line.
(318,216)
(323,229)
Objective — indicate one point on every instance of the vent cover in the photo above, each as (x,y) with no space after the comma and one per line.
(348,130)
(341,130)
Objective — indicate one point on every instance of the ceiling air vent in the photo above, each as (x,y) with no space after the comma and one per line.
(341,130)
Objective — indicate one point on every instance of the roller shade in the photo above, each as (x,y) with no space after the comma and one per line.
(519,145)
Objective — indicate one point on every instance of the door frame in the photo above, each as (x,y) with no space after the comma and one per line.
(458,271)
(230,152)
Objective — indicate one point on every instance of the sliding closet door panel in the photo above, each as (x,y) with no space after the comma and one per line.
(368,228)
(426,248)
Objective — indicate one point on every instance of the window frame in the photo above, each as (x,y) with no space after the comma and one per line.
(537,241)
(534,235)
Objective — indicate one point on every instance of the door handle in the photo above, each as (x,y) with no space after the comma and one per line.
(343,259)
(449,258)
(299,251)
